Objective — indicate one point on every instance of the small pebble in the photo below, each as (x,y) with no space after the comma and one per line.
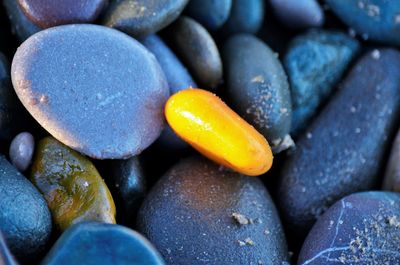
(6,258)
(210,13)
(21,151)
(391,180)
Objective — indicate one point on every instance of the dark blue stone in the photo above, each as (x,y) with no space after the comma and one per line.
(311,83)
(6,258)
(257,88)
(298,13)
(21,26)
(378,20)
(246,17)
(178,79)
(25,219)
(93,88)
(343,150)
(200,213)
(391,180)
(142,17)
(210,13)
(106,244)
(198,51)
(362,228)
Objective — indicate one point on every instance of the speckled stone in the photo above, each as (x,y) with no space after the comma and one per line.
(106,244)
(178,79)
(21,26)
(93,88)
(362,228)
(298,13)
(257,88)
(246,17)
(391,180)
(200,213)
(343,150)
(46,14)
(142,17)
(25,220)
(212,14)
(311,83)
(377,20)
(6,258)
(197,49)
(21,150)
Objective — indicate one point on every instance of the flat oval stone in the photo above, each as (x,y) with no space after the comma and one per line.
(95,89)
(21,150)
(257,88)
(178,79)
(46,14)
(343,150)
(71,185)
(200,213)
(106,244)
(197,49)
(377,20)
(246,17)
(142,17)
(362,228)
(311,83)
(391,181)
(210,13)
(25,219)
(6,258)
(21,26)
(299,13)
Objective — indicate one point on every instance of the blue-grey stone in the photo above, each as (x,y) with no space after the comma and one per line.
(210,13)
(93,88)
(298,13)
(362,228)
(106,244)
(315,62)
(343,150)
(25,219)
(21,150)
(142,17)
(199,213)
(377,20)
(6,258)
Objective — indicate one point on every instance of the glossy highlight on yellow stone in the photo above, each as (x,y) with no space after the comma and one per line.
(204,121)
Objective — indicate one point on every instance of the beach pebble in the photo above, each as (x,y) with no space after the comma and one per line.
(6,258)
(211,14)
(87,84)
(391,181)
(200,213)
(21,151)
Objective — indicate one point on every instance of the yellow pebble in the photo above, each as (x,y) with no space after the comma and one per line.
(204,121)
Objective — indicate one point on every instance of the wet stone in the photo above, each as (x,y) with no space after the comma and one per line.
(21,151)
(87,84)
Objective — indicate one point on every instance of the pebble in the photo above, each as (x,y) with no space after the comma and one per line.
(198,51)
(362,228)
(86,85)
(46,14)
(178,79)
(6,258)
(391,180)
(298,13)
(258,89)
(312,83)
(142,17)
(25,219)
(106,244)
(377,20)
(71,185)
(246,16)
(340,159)
(127,183)
(21,26)
(21,151)
(210,13)
(188,217)
(212,128)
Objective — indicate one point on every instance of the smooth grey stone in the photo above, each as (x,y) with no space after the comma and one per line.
(21,151)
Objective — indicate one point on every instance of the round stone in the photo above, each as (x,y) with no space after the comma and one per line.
(94,89)
(46,14)
(21,150)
